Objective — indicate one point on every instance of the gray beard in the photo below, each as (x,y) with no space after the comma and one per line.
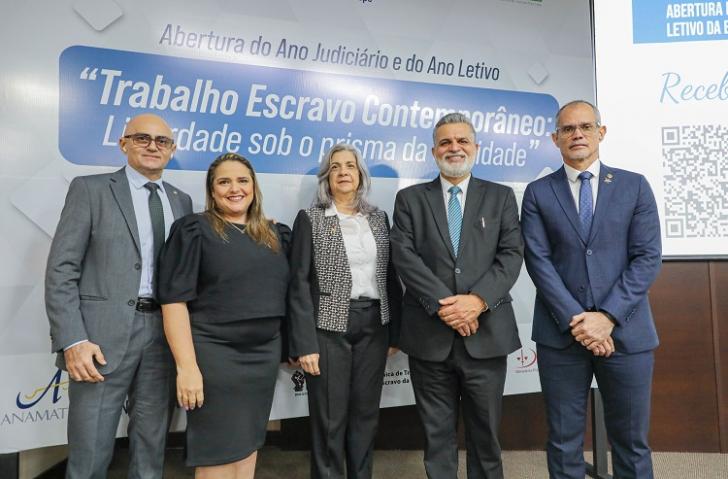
(455,171)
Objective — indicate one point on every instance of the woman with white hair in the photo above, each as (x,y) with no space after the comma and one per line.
(344,303)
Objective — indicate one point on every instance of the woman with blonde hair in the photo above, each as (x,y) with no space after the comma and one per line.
(222,284)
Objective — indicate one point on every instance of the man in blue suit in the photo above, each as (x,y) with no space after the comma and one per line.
(592,238)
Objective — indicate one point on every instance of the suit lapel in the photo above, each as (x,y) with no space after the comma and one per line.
(476,192)
(120,189)
(560,185)
(174,200)
(433,193)
(604,198)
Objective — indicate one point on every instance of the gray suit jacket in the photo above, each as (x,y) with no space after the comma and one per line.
(94,265)
(488,263)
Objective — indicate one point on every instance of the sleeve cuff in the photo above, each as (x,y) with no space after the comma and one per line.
(74,344)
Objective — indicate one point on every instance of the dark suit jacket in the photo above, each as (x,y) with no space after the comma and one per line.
(490,258)
(93,271)
(619,260)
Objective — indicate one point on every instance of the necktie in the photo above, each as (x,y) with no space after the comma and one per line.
(586,203)
(454,218)
(156,213)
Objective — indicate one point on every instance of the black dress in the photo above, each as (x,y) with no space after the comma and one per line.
(235,291)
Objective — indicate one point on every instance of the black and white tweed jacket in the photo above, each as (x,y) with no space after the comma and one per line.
(333,272)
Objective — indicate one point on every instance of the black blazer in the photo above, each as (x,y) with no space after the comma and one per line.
(488,264)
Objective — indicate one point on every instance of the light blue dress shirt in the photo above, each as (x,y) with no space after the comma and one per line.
(140,198)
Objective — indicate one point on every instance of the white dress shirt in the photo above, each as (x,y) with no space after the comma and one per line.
(463,185)
(361,250)
(575,183)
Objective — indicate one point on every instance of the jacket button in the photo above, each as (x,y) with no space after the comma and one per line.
(588,252)
(457,270)
(581,288)
(131,302)
(137,266)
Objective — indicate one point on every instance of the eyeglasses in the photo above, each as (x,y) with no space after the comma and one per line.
(143,140)
(567,131)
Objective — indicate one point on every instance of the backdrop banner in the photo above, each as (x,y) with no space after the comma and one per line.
(279,82)
(665,104)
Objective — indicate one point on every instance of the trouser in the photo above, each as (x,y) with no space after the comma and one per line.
(145,376)
(625,382)
(344,400)
(441,388)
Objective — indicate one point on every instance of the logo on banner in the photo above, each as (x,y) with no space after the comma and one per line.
(53,389)
(29,402)
(298,379)
(526,360)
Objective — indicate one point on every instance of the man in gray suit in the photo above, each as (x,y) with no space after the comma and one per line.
(456,244)
(100,297)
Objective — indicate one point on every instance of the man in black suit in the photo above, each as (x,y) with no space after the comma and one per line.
(456,244)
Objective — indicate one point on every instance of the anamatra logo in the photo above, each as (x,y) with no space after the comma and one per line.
(53,388)
(29,403)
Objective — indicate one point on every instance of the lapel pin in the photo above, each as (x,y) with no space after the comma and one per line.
(608,178)
(482,222)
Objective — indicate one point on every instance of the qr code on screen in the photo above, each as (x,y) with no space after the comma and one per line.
(695,173)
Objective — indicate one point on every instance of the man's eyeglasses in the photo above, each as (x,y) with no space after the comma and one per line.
(567,131)
(143,140)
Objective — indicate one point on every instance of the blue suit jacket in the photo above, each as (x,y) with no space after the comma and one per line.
(619,260)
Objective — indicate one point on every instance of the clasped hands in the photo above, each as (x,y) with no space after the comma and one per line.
(593,329)
(461,312)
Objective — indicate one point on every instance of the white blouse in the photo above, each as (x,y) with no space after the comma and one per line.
(361,250)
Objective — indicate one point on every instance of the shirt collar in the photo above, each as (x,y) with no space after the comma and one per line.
(573,174)
(137,180)
(463,185)
(332,211)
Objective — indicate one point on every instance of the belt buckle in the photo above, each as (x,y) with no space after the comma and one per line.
(146,305)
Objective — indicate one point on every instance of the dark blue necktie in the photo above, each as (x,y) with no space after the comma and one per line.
(586,203)
(454,218)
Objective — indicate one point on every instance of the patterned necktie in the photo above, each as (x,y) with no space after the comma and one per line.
(156,213)
(454,218)
(586,203)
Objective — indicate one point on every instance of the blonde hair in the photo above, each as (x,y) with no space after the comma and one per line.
(259,228)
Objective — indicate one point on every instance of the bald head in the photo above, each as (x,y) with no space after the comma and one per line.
(147,120)
(147,144)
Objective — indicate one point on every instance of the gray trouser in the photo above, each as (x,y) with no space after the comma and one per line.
(144,375)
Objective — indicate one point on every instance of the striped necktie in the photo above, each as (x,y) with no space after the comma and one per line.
(454,218)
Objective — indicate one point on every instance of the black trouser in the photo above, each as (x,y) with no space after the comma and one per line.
(441,388)
(343,401)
